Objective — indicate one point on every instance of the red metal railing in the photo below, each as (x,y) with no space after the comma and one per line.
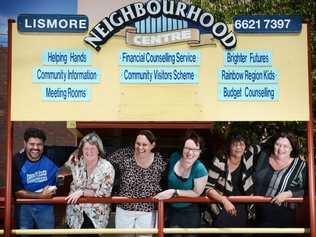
(202,199)
(160,226)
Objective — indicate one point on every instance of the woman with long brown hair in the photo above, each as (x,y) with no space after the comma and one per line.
(140,171)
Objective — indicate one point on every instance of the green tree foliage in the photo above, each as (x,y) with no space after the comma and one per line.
(259,132)
(225,10)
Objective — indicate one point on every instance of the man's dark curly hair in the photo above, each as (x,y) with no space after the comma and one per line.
(34,133)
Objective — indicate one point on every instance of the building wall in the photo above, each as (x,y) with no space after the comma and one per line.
(57,133)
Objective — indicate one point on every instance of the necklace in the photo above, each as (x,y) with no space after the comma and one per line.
(233,164)
(91,166)
(234,161)
(182,170)
(278,164)
(144,162)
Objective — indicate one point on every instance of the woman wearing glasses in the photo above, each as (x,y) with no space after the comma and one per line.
(231,174)
(187,177)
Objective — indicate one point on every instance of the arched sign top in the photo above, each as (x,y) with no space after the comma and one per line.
(138,11)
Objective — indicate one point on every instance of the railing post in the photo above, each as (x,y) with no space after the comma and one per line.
(310,139)
(160,218)
(311,179)
(8,162)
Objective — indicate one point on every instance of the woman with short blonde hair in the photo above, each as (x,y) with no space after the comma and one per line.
(93,176)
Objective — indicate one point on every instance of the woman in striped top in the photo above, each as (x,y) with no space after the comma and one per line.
(231,174)
(280,174)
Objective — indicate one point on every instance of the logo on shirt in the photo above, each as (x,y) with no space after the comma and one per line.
(37,177)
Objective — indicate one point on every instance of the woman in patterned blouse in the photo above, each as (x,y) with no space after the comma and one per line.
(93,176)
(280,174)
(140,170)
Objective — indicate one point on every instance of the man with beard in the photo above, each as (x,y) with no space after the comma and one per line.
(34,176)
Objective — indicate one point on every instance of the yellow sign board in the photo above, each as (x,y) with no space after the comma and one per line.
(58,77)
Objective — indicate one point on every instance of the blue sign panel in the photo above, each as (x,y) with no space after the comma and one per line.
(247,58)
(52,23)
(267,24)
(67,57)
(248,75)
(162,75)
(248,92)
(66,93)
(65,75)
(163,58)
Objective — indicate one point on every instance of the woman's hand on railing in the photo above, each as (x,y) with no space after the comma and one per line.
(229,207)
(73,198)
(169,193)
(281,197)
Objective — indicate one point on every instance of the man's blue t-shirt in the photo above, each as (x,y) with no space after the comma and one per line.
(175,182)
(33,176)
(37,175)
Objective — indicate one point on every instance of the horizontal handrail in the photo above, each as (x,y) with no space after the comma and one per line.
(83,231)
(114,231)
(213,230)
(114,199)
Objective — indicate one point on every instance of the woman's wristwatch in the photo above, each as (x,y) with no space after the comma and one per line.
(175,193)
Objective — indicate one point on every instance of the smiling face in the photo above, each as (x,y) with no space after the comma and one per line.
(34,148)
(143,146)
(90,152)
(282,148)
(237,149)
(191,152)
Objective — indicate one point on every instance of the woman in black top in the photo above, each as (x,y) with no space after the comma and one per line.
(280,174)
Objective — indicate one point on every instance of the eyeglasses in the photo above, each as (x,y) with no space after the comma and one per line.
(235,144)
(194,150)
